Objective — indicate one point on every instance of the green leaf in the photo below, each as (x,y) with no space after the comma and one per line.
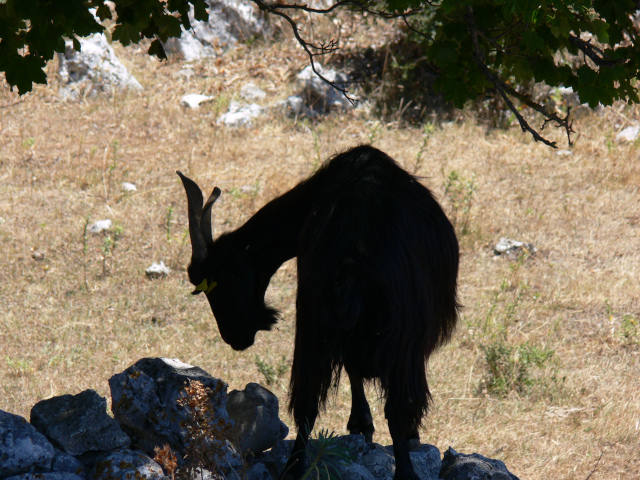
(157,49)
(23,72)
(125,34)
(200,10)
(103,12)
(561,28)
(532,41)
(168,26)
(601,30)
(444,53)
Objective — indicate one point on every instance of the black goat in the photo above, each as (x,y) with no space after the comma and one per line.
(377,273)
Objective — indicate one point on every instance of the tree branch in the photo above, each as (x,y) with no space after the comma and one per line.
(308,47)
(505,90)
(597,55)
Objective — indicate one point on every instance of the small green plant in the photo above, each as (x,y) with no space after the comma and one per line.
(629,329)
(167,223)
(317,148)
(375,128)
(109,170)
(427,130)
(458,191)
(28,142)
(20,366)
(325,454)
(85,249)
(272,374)
(497,322)
(109,244)
(509,367)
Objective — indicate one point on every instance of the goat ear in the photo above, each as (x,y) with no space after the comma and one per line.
(205,218)
(194,201)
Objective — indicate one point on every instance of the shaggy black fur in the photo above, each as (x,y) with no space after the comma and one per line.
(377,272)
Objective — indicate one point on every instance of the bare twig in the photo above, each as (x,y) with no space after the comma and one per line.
(595,467)
(314,50)
(311,49)
(596,54)
(505,90)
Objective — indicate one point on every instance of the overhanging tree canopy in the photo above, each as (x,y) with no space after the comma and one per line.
(477,45)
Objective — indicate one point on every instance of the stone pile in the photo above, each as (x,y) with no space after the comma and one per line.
(71,437)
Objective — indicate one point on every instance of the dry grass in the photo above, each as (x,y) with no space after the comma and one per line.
(60,332)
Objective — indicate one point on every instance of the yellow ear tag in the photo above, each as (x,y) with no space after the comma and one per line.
(205,286)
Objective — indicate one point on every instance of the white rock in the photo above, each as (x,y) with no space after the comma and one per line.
(157,270)
(240,115)
(193,100)
(294,106)
(513,247)
(190,47)
(318,94)
(229,22)
(95,67)
(128,187)
(506,244)
(250,92)
(564,153)
(186,72)
(629,134)
(100,226)
(176,363)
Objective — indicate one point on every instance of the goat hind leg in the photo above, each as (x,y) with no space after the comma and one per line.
(296,464)
(402,429)
(360,420)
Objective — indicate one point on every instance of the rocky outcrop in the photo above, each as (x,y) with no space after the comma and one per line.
(229,21)
(161,407)
(92,70)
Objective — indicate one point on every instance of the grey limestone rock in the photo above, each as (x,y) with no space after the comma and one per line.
(78,423)
(426,462)
(229,21)
(255,413)
(513,248)
(458,466)
(126,465)
(22,448)
(47,476)
(95,69)
(380,462)
(148,403)
(318,95)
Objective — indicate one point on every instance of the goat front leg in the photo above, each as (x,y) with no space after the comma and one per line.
(360,420)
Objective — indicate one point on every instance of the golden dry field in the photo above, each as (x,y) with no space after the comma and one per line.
(544,369)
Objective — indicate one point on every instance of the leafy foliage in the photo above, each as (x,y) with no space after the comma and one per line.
(480,45)
(31,32)
(477,46)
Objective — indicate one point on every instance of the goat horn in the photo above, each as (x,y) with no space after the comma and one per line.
(205,218)
(194,201)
